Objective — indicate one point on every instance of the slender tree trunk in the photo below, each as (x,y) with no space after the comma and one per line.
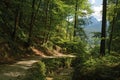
(21,14)
(16,24)
(48,34)
(50,21)
(31,23)
(38,8)
(103,32)
(67,27)
(76,17)
(46,21)
(112,28)
(50,24)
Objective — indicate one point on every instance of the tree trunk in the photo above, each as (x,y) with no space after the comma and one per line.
(21,14)
(67,27)
(50,22)
(76,17)
(112,28)
(38,8)
(103,32)
(46,21)
(16,24)
(31,23)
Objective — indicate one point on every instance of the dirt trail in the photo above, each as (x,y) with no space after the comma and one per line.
(14,71)
(54,53)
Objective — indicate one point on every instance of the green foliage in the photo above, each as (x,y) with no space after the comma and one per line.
(114,29)
(48,45)
(68,62)
(53,64)
(104,68)
(42,22)
(37,72)
(72,46)
(95,51)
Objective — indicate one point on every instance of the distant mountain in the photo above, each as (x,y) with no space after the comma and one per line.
(92,24)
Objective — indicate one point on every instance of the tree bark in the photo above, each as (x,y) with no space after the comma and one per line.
(76,17)
(112,28)
(103,31)
(50,22)
(16,24)
(46,22)
(31,23)
(67,27)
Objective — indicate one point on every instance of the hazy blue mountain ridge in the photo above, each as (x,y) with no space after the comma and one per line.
(92,24)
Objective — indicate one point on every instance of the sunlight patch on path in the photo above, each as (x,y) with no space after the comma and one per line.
(13,71)
(28,63)
(55,54)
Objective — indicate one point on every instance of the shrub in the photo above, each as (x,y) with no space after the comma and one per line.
(53,64)
(72,46)
(48,45)
(68,62)
(95,51)
(37,72)
(105,68)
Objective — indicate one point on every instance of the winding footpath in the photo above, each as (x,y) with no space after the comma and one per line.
(14,71)
(18,69)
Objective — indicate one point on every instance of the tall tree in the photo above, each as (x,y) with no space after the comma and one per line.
(76,17)
(114,29)
(46,20)
(16,22)
(103,30)
(31,22)
(112,26)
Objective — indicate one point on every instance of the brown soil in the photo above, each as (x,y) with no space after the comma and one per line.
(13,69)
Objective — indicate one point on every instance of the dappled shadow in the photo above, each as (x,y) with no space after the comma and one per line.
(11,72)
(16,70)
(102,72)
(45,53)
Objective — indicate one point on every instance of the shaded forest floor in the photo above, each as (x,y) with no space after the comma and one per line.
(31,52)
(18,69)
(106,68)
(13,69)
(98,68)
(61,74)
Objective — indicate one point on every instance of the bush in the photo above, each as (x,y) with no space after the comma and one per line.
(48,45)
(105,68)
(53,64)
(72,47)
(37,72)
(95,51)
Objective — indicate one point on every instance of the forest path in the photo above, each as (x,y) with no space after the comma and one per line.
(16,70)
